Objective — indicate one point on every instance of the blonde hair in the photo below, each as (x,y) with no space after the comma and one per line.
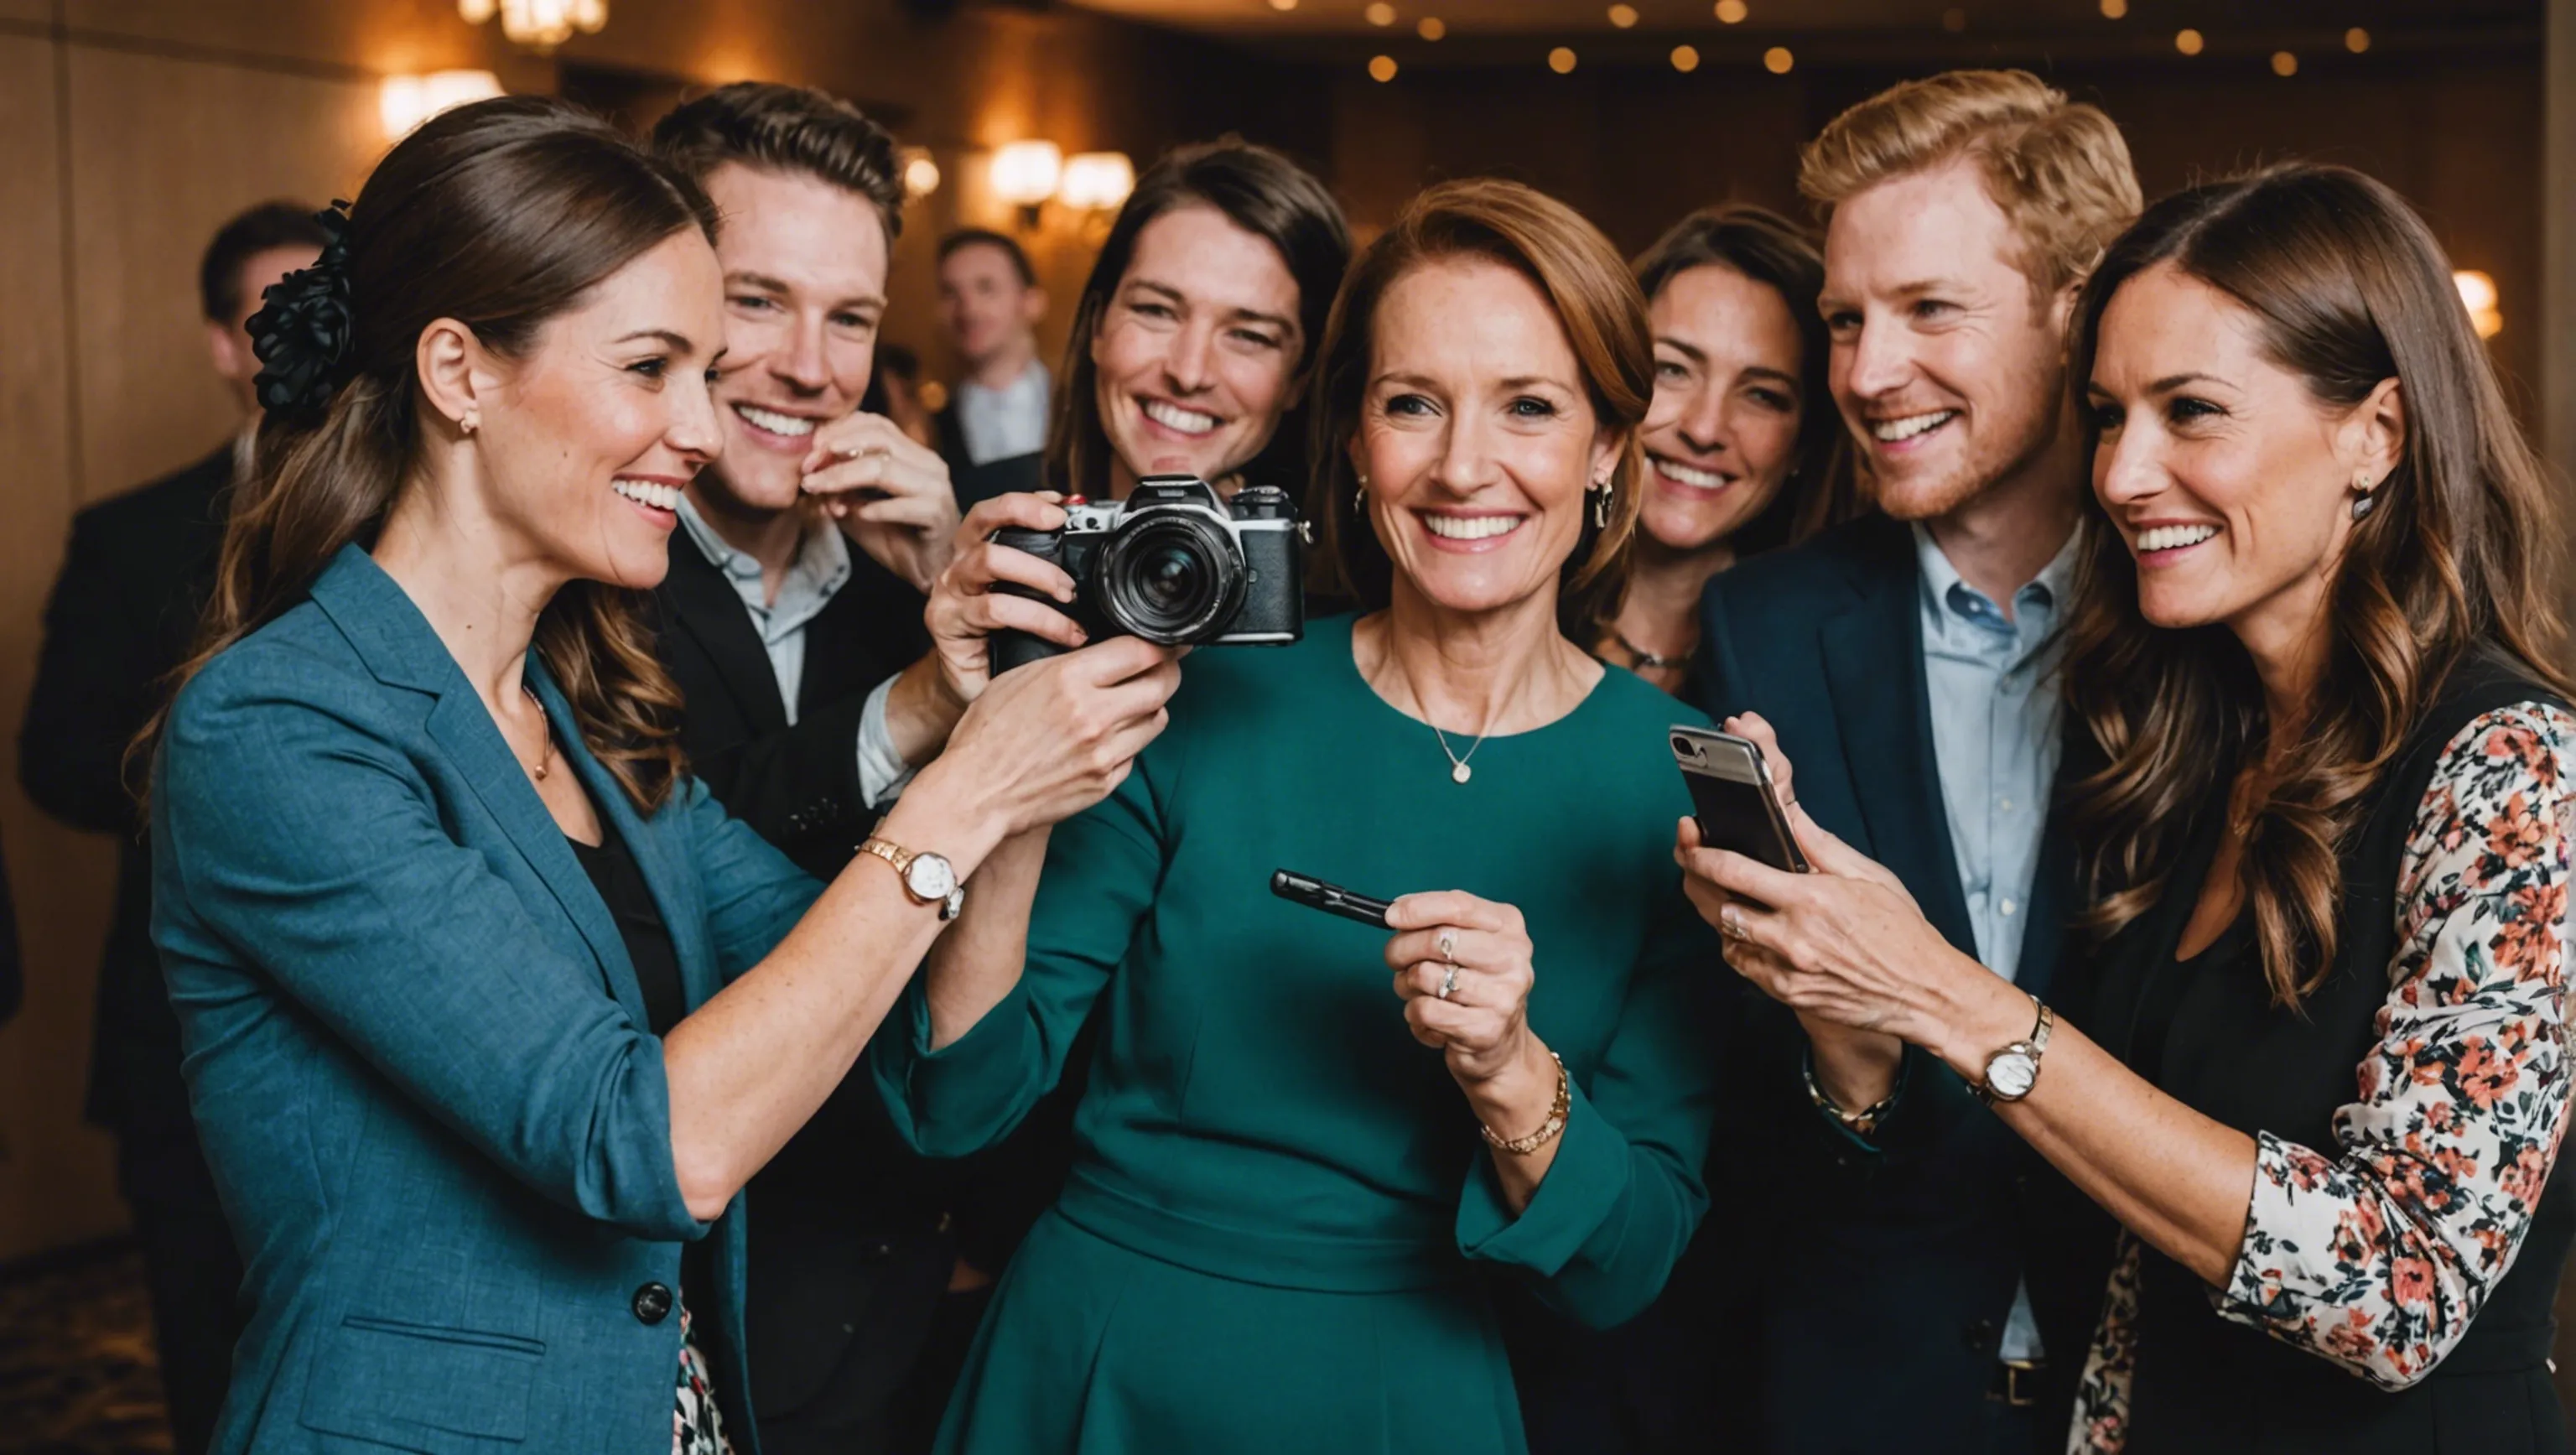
(2058,169)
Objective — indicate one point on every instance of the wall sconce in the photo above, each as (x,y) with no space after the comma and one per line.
(404,102)
(920,173)
(1096,181)
(2478,295)
(1025,174)
(538,24)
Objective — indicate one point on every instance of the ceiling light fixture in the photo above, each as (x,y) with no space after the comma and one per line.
(1025,174)
(1096,181)
(538,24)
(404,102)
(920,173)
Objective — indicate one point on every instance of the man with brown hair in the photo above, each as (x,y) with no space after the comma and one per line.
(1906,662)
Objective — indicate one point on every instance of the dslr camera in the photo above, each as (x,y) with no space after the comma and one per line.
(1173,563)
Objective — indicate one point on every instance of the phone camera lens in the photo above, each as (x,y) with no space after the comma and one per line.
(1685,746)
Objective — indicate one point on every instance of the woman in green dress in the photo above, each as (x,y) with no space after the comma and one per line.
(1282,1199)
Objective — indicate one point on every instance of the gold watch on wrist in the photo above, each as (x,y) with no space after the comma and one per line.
(926,878)
(2014,1070)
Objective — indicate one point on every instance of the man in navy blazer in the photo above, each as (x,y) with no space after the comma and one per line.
(1906,663)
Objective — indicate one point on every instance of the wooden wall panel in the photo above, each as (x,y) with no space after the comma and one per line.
(162,152)
(56,1183)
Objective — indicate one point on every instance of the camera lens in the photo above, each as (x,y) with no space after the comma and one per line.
(1172,577)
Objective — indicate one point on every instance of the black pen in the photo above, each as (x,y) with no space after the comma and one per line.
(1314,893)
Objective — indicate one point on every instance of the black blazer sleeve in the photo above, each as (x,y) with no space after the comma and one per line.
(96,683)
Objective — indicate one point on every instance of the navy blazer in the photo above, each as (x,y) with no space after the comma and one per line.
(1881,1326)
(418,1054)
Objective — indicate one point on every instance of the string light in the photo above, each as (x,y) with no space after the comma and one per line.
(1380,14)
(2188,42)
(2284,64)
(1561,60)
(2356,40)
(1685,58)
(1623,16)
(1381,68)
(1777,60)
(1431,28)
(1731,12)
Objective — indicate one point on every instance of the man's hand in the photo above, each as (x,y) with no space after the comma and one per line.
(890,495)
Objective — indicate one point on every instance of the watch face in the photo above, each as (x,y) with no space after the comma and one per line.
(2011,1075)
(930,877)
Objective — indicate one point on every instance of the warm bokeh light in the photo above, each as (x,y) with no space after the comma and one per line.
(1685,58)
(2478,295)
(1283,4)
(1380,13)
(404,102)
(2188,42)
(1096,181)
(1026,172)
(1381,68)
(1623,16)
(920,172)
(1431,28)
(2356,40)
(2284,64)
(1777,60)
(1731,12)
(2114,9)
(1561,59)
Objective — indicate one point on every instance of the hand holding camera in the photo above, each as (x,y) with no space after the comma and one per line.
(1040,746)
(988,587)
(1174,563)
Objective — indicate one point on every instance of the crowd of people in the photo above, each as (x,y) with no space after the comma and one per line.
(610,958)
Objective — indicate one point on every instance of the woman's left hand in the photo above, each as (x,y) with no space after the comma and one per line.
(1462,968)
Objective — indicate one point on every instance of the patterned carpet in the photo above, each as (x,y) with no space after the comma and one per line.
(77,1375)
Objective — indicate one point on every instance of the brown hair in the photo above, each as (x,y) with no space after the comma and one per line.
(500,215)
(2058,169)
(1771,250)
(2347,289)
(1266,195)
(792,129)
(1604,316)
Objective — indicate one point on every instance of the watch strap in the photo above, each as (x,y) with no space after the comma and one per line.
(901,858)
(2034,1046)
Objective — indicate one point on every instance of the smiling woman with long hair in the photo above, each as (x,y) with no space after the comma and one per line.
(490,1010)
(2307,1088)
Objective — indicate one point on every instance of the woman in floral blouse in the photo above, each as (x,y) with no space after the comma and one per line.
(2306,1088)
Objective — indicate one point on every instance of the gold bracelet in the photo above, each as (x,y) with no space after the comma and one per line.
(1555,1123)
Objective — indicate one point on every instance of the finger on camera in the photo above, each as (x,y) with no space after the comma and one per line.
(981,566)
(1116,659)
(990,614)
(1029,510)
(1448,907)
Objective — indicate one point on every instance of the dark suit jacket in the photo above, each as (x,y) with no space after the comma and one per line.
(1011,474)
(852,1245)
(951,434)
(1881,1318)
(123,614)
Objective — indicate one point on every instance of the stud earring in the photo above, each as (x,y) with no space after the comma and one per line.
(471,422)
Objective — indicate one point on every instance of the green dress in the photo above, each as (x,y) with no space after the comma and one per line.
(1280,1206)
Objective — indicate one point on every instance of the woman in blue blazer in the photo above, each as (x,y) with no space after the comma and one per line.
(490,1010)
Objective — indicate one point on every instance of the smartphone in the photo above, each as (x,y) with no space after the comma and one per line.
(1314,893)
(1731,793)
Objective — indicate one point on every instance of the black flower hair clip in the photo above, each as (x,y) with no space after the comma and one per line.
(303,336)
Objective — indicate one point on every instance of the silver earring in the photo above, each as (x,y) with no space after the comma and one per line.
(1600,506)
(2363,501)
(1359,497)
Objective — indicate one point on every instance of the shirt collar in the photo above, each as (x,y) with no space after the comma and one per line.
(1033,379)
(822,557)
(2042,599)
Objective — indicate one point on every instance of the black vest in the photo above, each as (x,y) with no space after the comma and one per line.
(2208,1033)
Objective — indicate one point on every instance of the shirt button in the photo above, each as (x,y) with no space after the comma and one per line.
(653,1303)
(2006,907)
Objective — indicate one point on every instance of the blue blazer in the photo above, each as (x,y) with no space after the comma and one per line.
(1880,1326)
(418,1055)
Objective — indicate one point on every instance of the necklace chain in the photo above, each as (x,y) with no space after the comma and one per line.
(546,749)
(1459,772)
(1639,656)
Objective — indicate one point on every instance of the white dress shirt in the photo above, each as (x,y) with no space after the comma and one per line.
(1002,423)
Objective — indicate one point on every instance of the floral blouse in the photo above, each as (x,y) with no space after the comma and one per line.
(2377,1253)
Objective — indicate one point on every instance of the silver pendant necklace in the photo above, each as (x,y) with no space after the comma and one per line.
(1459,772)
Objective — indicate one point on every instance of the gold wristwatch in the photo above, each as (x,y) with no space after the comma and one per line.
(927,878)
(2014,1070)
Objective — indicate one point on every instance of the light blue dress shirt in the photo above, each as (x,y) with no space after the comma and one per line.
(821,568)
(1995,713)
(1012,420)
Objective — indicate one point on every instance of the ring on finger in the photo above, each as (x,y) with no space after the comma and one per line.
(1730,922)
(1449,947)
(1449,982)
